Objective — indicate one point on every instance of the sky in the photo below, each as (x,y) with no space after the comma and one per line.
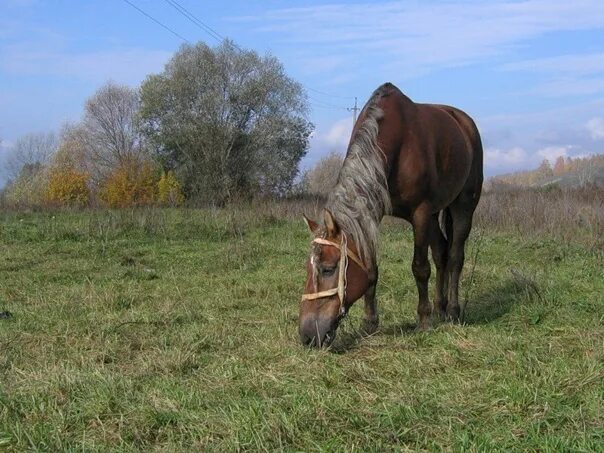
(530,72)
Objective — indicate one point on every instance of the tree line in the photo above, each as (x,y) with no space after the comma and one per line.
(584,169)
(216,125)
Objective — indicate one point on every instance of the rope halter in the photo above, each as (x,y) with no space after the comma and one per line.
(340,290)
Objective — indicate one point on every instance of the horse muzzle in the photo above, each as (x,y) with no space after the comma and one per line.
(317,331)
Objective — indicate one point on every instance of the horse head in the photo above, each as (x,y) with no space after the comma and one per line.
(336,278)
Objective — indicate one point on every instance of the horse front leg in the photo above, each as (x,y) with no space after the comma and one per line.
(421,266)
(371,321)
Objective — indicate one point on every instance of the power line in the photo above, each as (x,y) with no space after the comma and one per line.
(200,24)
(330,95)
(214,34)
(205,27)
(326,104)
(157,22)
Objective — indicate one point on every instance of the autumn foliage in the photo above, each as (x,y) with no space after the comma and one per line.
(67,187)
(169,190)
(584,168)
(131,184)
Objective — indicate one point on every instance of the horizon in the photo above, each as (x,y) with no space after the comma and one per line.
(529,72)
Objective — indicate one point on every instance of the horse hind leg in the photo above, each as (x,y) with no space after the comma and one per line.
(422,227)
(462,223)
(440,252)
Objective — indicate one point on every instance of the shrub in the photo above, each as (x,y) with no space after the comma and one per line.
(131,184)
(322,178)
(28,188)
(169,190)
(67,187)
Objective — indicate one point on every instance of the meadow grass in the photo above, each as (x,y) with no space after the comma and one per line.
(176,330)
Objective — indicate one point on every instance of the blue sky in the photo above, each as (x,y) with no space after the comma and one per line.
(531,72)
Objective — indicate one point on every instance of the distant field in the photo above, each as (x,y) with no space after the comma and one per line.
(177,330)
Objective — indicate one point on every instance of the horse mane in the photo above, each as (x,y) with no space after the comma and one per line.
(360,198)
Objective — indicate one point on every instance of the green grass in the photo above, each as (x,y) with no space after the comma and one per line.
(177,330)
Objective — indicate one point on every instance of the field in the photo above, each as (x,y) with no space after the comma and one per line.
(176,329)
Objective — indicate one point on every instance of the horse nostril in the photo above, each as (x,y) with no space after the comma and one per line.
(307,340)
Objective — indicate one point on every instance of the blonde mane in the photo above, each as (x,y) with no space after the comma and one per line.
(360,198)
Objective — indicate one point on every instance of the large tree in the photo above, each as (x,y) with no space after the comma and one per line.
(109,130)
(230,122)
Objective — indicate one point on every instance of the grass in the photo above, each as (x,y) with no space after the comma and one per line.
(177,330)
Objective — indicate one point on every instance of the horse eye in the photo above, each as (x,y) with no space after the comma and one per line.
(327,271)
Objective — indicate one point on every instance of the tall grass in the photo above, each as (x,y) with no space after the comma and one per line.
(175,330)
(575,215)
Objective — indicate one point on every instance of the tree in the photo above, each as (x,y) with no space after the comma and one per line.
(322,178)
(28,188)
(26,168)
(559,166)
(168,190)
(73,152)
(544,171)
(109,134)
(32,150)
(131,184)
(229,122)
(67,187)
(587,171)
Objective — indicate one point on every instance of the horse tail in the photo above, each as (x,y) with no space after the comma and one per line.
(446,224)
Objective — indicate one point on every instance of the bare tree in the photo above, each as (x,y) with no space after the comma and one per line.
(109,130)
(587,172)
(322,178)
(32,150)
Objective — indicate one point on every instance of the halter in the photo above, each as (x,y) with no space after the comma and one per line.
(340,290)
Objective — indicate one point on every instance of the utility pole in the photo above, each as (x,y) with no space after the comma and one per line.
(354,111)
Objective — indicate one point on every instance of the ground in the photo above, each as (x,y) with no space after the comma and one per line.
(177,330)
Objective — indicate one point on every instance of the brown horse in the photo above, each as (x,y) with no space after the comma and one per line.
(413,161)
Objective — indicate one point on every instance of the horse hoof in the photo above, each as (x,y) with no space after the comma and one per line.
(423,326)
(453,314)
(369,327)
(439,316)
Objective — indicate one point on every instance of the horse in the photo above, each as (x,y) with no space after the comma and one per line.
(419,162)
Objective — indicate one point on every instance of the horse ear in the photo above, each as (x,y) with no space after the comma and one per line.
(330,224)
(311,224)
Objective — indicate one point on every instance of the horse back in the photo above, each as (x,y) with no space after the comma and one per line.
(433,152)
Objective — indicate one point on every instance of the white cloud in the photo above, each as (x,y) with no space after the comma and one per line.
(338,135)
(334,137)
(551,153)
(419,36)
(497,158)
(595,126)
(6,144)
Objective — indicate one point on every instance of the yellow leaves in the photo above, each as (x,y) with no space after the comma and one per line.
(131,184)
(169,190)
(65,182)
(67,187)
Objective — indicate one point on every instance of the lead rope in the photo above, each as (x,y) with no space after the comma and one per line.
(342,283)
